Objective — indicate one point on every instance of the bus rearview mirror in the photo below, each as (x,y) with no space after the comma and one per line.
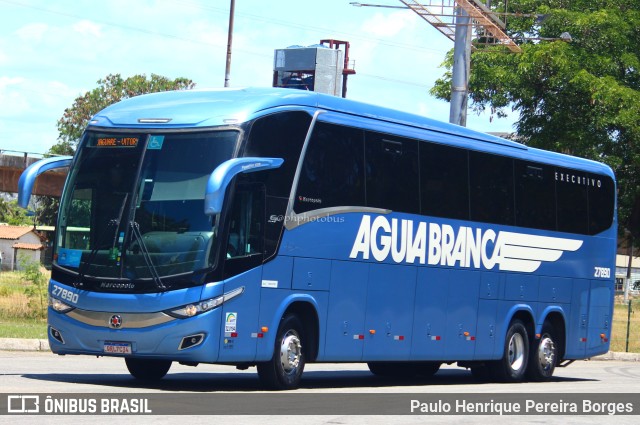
(223,174)
(28,176)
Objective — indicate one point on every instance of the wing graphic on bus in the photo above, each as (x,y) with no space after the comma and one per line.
(520,252)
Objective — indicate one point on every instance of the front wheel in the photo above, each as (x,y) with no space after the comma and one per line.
(147,369)
(513,365)
(284,370)
(544,355)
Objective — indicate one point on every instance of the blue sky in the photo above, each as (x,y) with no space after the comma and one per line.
(54,51)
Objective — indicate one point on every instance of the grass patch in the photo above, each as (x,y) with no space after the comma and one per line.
(619,331)
(23,328)
(20,318)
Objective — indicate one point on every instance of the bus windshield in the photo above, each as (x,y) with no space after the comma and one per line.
(133,204)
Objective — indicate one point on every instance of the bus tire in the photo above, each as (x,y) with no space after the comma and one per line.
(147,369)
(284,370)
(513,365)
(544,355)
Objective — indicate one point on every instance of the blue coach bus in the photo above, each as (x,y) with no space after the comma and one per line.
(275,227)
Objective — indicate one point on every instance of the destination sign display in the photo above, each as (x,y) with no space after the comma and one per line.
(116,142)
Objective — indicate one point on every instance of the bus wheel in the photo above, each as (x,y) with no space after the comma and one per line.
(147,369)
(512,366)
(544,355)
(284,370)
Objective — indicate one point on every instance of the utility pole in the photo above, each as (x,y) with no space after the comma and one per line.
(227,71)
(461,69)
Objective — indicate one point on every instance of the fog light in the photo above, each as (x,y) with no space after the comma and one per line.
(191,341)
(55,334)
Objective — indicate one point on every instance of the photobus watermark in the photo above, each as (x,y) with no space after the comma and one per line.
(303,219)
(301,404)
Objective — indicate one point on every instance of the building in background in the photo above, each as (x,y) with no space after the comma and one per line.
(17,242)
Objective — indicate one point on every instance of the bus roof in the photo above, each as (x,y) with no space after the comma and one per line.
(215,107)
(204,108)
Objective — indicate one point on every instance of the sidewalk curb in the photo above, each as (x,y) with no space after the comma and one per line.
(21,344)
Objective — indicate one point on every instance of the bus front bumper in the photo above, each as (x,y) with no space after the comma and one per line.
(194,339)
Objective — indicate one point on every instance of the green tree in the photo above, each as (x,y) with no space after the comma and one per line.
(11,214)
(113,88)
(581,97)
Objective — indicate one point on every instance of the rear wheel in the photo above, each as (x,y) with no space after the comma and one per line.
(544,355)
(284,370)
(513,365)
(147,369)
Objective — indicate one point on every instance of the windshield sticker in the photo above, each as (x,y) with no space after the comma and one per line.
(155,142)
(69,257)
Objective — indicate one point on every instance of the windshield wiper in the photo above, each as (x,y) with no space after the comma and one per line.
(135,229)
(113,222)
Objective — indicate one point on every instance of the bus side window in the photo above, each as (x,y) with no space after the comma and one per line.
(245,240)
(332,173)
(444,181)
(535,195)
(491,184)
(601,203)
(573,204)
(392,167)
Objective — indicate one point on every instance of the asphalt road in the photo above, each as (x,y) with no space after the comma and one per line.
(46,373)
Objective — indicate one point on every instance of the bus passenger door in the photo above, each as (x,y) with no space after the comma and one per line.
(243,268)
(345,318)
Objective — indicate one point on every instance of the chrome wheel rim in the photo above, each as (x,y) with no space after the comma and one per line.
(290,352)
(516,351)
(546,353)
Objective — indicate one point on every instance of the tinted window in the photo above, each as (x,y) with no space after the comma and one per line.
(601,203)
(279,136)
(491,184)
(571,192)
(333,169)
(535,195)
(444,181)
(393,176)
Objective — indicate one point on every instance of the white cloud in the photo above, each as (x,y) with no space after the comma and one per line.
(388,24)
(32,32)
(87,28)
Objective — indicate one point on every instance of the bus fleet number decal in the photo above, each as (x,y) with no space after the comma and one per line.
(64,294)
(604,272)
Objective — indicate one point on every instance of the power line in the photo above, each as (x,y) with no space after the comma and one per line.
(248,16)
(321,30)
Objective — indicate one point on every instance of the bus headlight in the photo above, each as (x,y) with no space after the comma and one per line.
(194,309)
(59,306)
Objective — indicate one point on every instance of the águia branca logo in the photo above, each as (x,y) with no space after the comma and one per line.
(406,241)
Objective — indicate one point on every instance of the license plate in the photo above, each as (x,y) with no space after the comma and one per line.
(112,347)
